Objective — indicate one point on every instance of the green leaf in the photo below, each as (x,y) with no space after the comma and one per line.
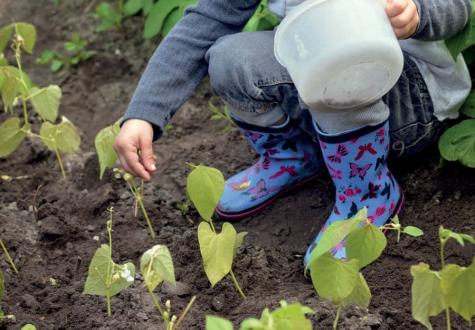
(458,143)
(46,57)
(110,18)
(46,101)
(104,142)
(288,316)
(147,6)
(171,20)
(361,295)
(63,137)
(291,316)
(217,323)
(3,62)
(105,278)
(413,231)
(156,266)
(132,7)
(365,244)
(445,234)
(205,185)
(468,108)
(337,232)
(28,327)
(458,286)
(10,87)
(10,136)
(5,36)
(217,250)
(427,297)
(160,12)
(28,33)
(462,40)
(56,65)
(334,279)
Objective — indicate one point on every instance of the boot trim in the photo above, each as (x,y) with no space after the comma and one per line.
(343,137)
(254,210)
(247,126)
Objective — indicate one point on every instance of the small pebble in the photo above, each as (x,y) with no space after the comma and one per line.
(29,301)
(180,289)
(217,303)
(458,195)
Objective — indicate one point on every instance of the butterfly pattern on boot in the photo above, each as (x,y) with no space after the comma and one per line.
(359,170)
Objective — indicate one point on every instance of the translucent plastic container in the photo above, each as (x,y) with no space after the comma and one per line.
(340,54)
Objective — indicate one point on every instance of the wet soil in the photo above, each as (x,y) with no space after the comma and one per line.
(52,226)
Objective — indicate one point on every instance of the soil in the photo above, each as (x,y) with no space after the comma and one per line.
(52,227)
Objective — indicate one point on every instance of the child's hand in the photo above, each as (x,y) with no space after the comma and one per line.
(134,148)
(403,16)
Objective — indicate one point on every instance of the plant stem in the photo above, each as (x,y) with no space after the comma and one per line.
(212,226)
(236,284)
(157,304)
(60,162)
(187,309)
(109,309)
(145,214)
(442,262)
(9,258)
(337,317)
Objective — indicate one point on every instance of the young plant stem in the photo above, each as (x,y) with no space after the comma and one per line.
(109,270)
(443,242)
(17,48)
(236,284)
(157,304)
(337,317)
(9,258)
(183,314)
(138,194)
(60,162)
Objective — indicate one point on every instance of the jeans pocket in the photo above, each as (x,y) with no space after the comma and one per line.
(411,139)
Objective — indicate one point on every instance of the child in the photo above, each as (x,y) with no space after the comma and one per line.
(352,144)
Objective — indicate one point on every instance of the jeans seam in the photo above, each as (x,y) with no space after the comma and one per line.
(427,129)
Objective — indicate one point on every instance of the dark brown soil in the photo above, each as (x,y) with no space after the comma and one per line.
(49,224)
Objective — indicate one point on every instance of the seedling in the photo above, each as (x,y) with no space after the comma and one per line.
(16,87)
(222,115)
(205,185)
(2,292)
(156,266)
(262,19)
(287,317)
(453,287)
(138,192)
(110,17)
(28,327)
(341,281)
(76,52)
(9,258)
(106,278)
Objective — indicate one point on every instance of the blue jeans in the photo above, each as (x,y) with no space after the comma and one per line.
(259,91)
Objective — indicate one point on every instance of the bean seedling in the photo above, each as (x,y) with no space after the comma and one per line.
(76,52)
(205,185)
(16,85)
(106,278)
(156,266)
(287,317)
(7,255)
(451,288)
(222,115)
(2,292)
(341,281)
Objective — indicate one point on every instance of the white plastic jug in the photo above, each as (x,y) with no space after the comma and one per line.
(340,54)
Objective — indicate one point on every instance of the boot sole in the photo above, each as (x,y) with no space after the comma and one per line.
(249,212)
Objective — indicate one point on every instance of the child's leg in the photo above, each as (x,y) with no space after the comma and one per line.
(356,144)
(265,105)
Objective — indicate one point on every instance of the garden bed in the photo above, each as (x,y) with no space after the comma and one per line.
(52,226)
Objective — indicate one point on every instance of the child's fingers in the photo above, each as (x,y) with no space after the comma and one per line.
(146,153)
(408,30)
(131,159)
(404,18)
(395,7)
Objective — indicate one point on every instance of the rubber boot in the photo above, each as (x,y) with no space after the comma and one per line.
(356,162)
(288,157)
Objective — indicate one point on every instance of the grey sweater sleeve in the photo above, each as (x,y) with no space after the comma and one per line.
(441,19)
(178,65)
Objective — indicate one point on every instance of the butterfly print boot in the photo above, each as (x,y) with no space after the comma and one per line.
(357,164)
(288,157)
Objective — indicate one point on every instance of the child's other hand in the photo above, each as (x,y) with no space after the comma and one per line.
(403,16)
(134,148)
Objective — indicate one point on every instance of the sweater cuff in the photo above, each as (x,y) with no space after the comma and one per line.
(422,19)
